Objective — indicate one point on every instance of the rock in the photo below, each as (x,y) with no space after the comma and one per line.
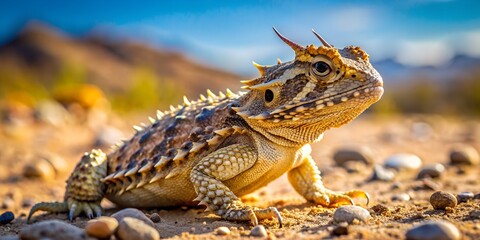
(350,213)
(441,200)
(39,169)
(464,196)
(402,197)
(354,167)
(133,213)
(431,171)
(6,217)
(403,161)
(133,228)
(258,231)
(359,154)
(382,174)
(340,229)
(429,184)
(155,218)
(107,136)
(51,112)
(101,227)
(222,231)
(53,230)
(433,230)
(464,155)
(9,237)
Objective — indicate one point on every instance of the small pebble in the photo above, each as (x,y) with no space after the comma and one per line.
(403,161)
(133,228)
(133,213)
(431,171)
(440,200)
(53,230)
(222,231)
(39,169)
(28,202)
(380,209)
(101,227)
(429,184)
(464,155)
(433,230)
(382,174)
(8,203)
(361,154)
(350,213)
(477,196)
(155,218)
(6,217)
(258,231)
(421,131)
(340,229)
(464,196)
(402,197)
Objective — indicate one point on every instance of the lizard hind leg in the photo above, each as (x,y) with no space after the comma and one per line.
(84,190)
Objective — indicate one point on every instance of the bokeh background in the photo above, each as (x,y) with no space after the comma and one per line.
(131,56)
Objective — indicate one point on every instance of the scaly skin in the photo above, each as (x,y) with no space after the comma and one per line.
(215,149)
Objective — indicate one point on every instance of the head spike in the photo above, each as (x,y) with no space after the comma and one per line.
(279,61)
(261,69)
(152,120)
(202,97)
(325,43)
(172,108)
(296,47)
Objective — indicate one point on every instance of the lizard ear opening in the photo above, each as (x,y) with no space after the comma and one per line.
(296,47)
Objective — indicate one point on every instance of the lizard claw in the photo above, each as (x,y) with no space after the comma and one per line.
(331,199)
(253,215)
(71,206)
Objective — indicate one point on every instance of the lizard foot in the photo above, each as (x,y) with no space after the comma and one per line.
(252,215)
(72,206)
(330,198)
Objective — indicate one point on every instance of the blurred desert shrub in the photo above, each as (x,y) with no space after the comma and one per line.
(146,92)
(71,86)
(459,96)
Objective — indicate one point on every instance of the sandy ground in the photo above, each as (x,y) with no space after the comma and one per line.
(431,140)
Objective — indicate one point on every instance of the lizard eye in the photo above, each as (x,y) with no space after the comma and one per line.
(269,95)
(321,69)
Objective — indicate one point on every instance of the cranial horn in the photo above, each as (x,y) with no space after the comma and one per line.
(325,43)
(296,47)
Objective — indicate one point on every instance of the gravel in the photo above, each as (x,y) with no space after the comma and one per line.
(258,231)
(6,217)
(133,228)
(52,230)
(431,171)
(464,155)
(102,227)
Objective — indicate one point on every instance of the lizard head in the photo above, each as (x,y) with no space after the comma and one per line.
(323,87)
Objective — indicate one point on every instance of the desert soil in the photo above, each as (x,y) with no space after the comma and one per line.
(429,137)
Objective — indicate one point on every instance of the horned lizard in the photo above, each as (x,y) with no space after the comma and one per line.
(220,147)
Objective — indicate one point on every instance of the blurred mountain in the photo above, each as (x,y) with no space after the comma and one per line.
(396,73)
(44,52)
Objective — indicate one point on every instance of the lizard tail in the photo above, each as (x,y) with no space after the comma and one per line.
(52,207)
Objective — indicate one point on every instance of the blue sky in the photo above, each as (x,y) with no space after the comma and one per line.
(230,34)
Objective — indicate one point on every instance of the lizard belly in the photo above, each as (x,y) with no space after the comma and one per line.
(175,191)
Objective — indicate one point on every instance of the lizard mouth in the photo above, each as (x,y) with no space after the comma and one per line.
(358,97)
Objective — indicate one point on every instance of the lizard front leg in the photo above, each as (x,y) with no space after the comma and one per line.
(307,182)
(84,191)
(221,165)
